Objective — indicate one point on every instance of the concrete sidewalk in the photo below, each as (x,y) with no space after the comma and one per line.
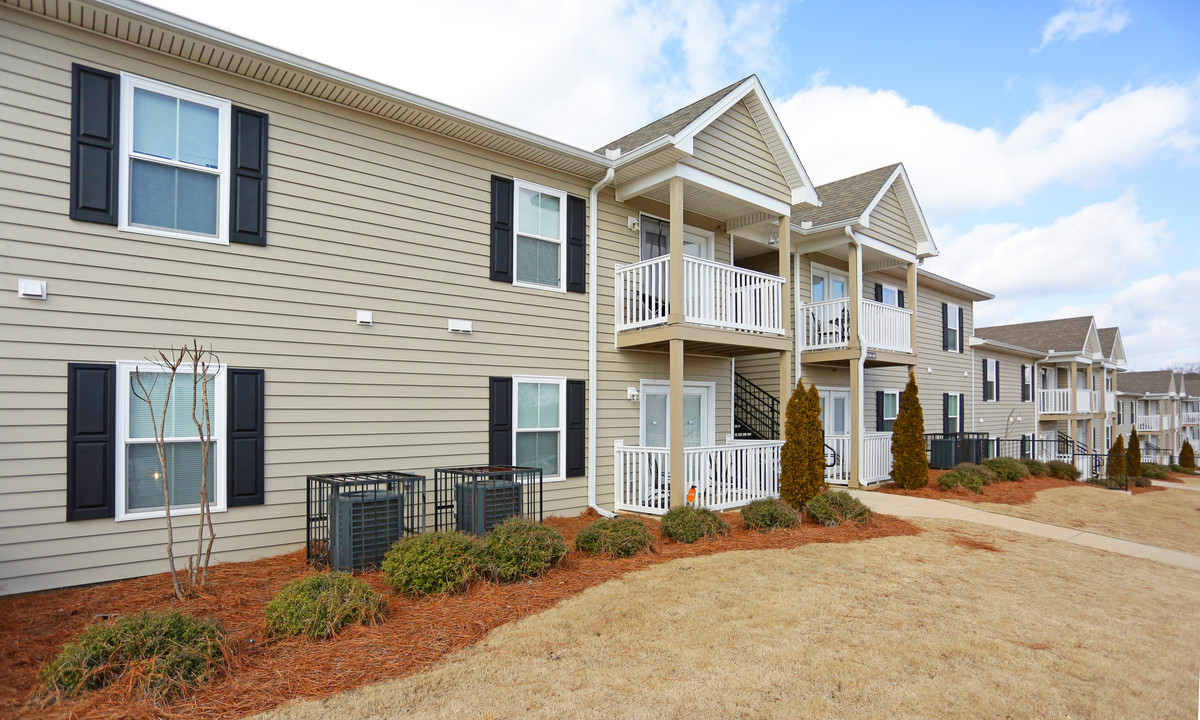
(1174,485)
(913,507)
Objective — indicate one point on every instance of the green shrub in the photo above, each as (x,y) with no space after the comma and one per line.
(962,476)
(910,464)
(432,563)
(1036,468)
(1117,482)
(802,457)
(520,548)
(688,524)
(1187,456)
(1155,472)
(170,652)
(769,514)
(837,507)
(1062,470)
(615,537)
(320,605)
(985,474)
(1006,469)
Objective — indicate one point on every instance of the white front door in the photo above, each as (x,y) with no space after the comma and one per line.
(835,412)
(698,418)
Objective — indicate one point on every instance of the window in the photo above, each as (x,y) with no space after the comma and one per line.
(539,415)
(139,485)
(656,239)
(1026,383)
(890,294)
(541,222)
(1108,382)
(174,161)
(951,423)
(952,329)
(891,408)
(991,372)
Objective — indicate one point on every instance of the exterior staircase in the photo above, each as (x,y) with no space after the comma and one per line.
(755,411)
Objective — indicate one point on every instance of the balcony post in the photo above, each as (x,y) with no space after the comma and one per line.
(856,296)
(856,365)
(912,304)
(675,441)
(675,314)
(785,357)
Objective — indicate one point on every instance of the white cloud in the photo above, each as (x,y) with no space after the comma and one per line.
(1076,138)
(1084,17)
(1093,250)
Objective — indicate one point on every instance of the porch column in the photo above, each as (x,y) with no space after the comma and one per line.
(912,305)
(675,315)
(675,442)
(786,383)
(856,366)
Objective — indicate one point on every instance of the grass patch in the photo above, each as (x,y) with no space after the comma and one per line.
(319,605)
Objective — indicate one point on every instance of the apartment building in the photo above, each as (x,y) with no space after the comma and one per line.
(1157,404)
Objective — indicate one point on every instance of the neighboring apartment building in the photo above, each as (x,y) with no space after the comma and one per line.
(1157,404)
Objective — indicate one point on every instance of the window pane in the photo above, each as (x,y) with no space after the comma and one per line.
(549,216)
(143,480)
(527,405)
(178,421)
(548,405)
(889,405)
(538,449)
(196,202)
(889,296)
(693,422)
(198,133)
(528,218)
(818,288)
(839,416)
(155,123)
(537,261)
(654,238)
(953,406)
(173,198)
(656,420)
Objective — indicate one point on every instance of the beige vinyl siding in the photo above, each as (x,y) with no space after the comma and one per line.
(995,415)
(889,224)
(948,367)
(733,147)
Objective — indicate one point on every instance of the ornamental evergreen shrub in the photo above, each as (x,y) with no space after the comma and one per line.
(985,474)
(688,524)
(838,507)
(320,605)
(432,563)
(1062,470)
(1187,456)
(802,458)
(910,464)
(1118,482)
(614,537)
(169,653)
(1151,471)
(1133,453)
(769,514)
(1036,468)
(520,548)
(1116,458)
(1006,469)
(962,476)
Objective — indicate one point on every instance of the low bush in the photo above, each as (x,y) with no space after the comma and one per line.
(1175,468)
(962,477)
(1062,470)
(615,537)
(837,507)
(985,474)
(432,563)
(320,605)
(769,514)
(1155,472)
(520,548)
(1117,482)
(1006,469)
(169,653)
(1036,468)
(688,524)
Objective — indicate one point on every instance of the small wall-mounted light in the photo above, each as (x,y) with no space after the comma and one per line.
(364,317)
(631,394)
(633,223)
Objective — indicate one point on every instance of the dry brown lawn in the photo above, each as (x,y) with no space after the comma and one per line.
(1193,480)
(958,622)
(1167,519)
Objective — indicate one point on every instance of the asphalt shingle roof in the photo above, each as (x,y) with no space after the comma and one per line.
(1066,335)
(845,199)
(1108,339)
(671,124)
(1150,381)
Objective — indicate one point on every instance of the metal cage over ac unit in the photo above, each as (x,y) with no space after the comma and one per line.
(355,518)
(476,499)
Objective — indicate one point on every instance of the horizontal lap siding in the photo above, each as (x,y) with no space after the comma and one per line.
(948,367)
(733,147)
(888,223)
(362,214)
(996,414)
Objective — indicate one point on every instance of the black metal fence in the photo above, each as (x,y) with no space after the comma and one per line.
(945,450)
(354,518)
(476,499)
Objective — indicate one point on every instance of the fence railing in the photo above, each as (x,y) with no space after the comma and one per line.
(947,450)
(723,476)
(1149,423)
(876,464)
(886,327)
(826,324)
(1190,418)
(1054,402)
(839,472)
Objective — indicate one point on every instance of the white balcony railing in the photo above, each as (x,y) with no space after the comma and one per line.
(715,294)
(827,325)
(839,472)
(1191,418)
(1054,402)
(1095,401)
(1148,423)
(876,464)
(1083,401)
(724,476)
(1110,402)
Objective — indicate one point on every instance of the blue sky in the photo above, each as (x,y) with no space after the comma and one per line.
(1054,145)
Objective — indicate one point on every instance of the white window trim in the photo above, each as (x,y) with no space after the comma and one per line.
(993,373)
(892,419)
(562,419)
(952,323)
(663,387)
(518,184)
(830,272)
(125,174)
(125,370)
(1027,382)
(895,289)
(710,237)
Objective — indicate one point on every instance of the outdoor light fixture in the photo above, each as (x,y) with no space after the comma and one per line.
(631,393)
(773,239)
(633,223)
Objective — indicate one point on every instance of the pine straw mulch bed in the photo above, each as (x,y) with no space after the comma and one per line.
(1021,492)
(266,672)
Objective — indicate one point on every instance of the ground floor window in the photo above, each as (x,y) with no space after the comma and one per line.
(539,415)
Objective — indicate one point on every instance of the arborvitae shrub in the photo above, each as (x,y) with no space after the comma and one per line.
(802,458)
(837,507)
(1006,469)
(520,548)
(1115,464)
(615,537)
(1133,454)
(1187,456)
(432,563)
(171,653)
(688,524)
(769,514)
(320,605)
(1062,470)
(1036,468)
(910,464)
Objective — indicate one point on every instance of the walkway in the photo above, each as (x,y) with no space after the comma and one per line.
(1174,485)
(913,507)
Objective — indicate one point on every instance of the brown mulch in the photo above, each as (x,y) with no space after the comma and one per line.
(1021,492)
(267,672)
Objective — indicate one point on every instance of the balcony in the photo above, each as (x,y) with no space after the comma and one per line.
(1190,418)
(827,326)
(724,476)
(1151,423)
(1058,402)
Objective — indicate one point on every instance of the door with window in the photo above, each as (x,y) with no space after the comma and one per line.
(825,325)
(656,242)
(835,421)
(698,423)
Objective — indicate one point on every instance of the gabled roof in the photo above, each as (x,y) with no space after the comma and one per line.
(672,124)
(1154,382)
(1191,384)
(1066,335)
(1108,339)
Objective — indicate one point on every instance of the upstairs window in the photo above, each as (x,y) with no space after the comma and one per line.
(952,327)
(1026,383)
(541,223)
(991,385)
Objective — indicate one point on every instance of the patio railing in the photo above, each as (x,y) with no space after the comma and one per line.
(723,476)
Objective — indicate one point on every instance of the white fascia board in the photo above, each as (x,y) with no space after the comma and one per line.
(882,247)
(634,188)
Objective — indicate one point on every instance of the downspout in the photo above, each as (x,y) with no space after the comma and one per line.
(593,391)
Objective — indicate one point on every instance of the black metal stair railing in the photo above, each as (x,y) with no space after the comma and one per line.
(755,411)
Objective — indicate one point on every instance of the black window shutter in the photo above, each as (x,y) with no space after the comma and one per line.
(996,380)
(576,243)
(984,387)
(91,440)
(946,427)
(900,298)
(500,421)
(248,178)
(1024,385)
(245,437)
(879,411)
(945,326)
(878,292)
(502,232)
(962,413)
(576,463)
(962,330)
(95,108)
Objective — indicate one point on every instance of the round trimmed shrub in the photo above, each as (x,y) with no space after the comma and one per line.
(985,474)
(432,563)
(688,524)
(171,653)
(1062,470)
(837,507)
(1154,472)
(320,605)
(615,537)
(520,548)
(1036,468)
(769,514)
(1006,469)
(962,476)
